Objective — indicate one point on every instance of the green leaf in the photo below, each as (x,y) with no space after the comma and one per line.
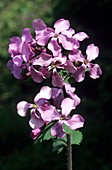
(76,137)
(46,133)
(59,144)
(67,129)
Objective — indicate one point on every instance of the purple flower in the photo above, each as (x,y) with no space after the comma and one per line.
(61,33)
(63,117)
(84,62)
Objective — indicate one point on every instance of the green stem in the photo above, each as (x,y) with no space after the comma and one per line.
(69,152)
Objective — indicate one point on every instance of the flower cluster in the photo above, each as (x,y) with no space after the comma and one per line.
(52,105)
(52,50)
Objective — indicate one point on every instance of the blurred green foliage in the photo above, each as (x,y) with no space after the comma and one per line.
(17,149)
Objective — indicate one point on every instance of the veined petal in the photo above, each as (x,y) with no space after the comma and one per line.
(68,32)
(75,122)
(69,66)
(22,108)
(92,52)
(76,55)
(94,70)
(67,105)
(45,93)
(61,25)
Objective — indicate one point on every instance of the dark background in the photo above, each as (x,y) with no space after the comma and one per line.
(17,149)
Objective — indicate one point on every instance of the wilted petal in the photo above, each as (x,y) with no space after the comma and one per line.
(57,80)
(92,52)
(37,76)
(79,74)
(22,108)
(95,71)
(57,130)
(75,122)
(81,36)
(26,35)
(67,105)
(61,25)
(54,47)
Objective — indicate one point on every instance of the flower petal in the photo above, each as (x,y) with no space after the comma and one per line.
(26,35)
(37,76)
(75,122)
(92,52)
(45,93)
(35,133)
(57,80)
(95,71)
(79,74)
(54,47)
(67,105)
(38,25)
(58,130)
(61,25)
(22,108)
(81,36)
(36,122)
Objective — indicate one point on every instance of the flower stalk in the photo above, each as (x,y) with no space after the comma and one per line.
(69,152)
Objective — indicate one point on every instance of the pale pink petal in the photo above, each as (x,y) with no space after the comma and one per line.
(61,25)
(26,35)
(35,133)
(58,130)
(68,33)
(75,122)
(79,74)
(22,108)
(67,105)
(36,122)
(54,47)
(43,59)
(37,76)
(49,113)
(95,71)
(57,80)
(81,36)
(66,42)
(76,55)
(45,93)
(18,60)
(38,25)
(92,52)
